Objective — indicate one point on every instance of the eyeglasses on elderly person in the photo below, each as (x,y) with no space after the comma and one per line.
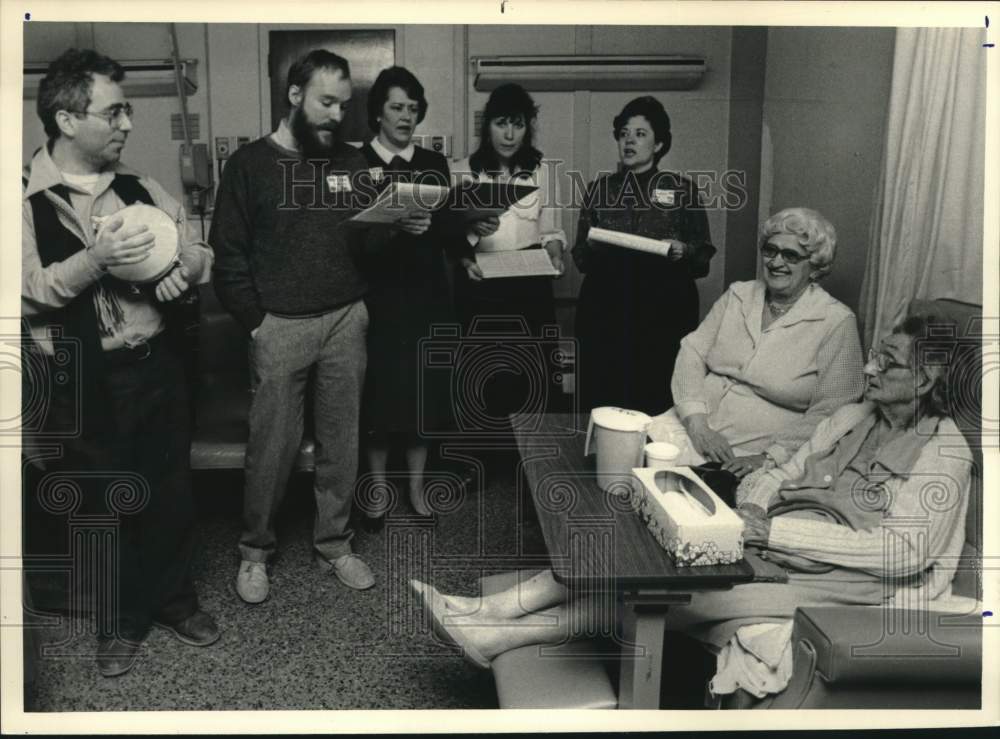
(884,361)
(770,253)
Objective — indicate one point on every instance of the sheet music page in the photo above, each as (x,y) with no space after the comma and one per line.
(400,199)
(523,263)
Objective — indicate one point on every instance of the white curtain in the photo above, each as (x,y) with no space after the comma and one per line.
(926,237)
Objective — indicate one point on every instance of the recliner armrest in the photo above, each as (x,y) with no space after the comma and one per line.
(863,644)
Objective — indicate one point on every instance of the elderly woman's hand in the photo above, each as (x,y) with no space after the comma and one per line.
(742,466)
(708,443)
(756,525)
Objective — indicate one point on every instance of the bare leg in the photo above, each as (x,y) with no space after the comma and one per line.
(534,594)
(416,462)
(490,637)
(377,451)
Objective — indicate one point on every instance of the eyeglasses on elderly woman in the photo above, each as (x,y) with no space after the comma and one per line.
(770,253)
(885,361)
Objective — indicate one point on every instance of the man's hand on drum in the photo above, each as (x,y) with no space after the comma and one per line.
(117,246)
(707,442)
(414,223)
(175,284)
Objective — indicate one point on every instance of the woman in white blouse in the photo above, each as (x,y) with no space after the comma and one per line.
(513,310)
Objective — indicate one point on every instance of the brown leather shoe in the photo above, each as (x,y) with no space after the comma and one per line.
(116,656)
(198,630)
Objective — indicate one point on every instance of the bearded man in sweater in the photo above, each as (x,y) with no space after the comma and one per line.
(286,269)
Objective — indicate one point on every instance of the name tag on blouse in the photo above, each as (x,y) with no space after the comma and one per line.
(339,183)
(664,197)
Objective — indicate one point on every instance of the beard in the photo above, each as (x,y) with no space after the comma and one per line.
(307,134)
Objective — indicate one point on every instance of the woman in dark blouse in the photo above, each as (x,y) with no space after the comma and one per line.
(408,294)
(635,307)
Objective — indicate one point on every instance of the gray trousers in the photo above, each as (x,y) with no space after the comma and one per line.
(282,353)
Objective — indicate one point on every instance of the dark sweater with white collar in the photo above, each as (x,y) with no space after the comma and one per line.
(279,234)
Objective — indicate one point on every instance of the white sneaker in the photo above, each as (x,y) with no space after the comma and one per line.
(251,581)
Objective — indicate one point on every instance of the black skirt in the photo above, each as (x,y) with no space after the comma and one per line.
(510,339)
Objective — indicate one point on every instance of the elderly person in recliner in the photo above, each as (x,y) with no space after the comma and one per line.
(870,510)
(772,359)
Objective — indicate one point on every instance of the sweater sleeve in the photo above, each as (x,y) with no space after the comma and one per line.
(549,218)
(368,243)
(447,226)
(584,251)
(461,240)
(840,382)
(765,486)
(691,368)
(916,529)
(231,239)
(696,234)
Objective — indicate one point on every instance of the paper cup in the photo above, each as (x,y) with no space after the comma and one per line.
(661,454)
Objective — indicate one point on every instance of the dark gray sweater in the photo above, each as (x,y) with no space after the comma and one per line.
(278,232)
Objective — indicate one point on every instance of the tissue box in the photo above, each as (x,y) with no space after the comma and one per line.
(690,534)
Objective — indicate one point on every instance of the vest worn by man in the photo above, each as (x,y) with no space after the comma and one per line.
(78,320)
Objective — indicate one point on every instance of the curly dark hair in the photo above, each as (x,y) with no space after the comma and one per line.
(68,82)
(387,79)
(652,110)
(507,101)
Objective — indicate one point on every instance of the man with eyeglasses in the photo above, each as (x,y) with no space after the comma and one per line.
(116,399)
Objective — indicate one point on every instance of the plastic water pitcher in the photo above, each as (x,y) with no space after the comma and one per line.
(618,436)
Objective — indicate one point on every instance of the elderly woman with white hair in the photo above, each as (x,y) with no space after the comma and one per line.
(869,511)
(773,358)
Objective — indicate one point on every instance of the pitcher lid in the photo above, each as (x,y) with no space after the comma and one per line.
(620,419)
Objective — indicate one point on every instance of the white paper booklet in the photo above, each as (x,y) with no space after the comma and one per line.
(523,263)
(403,199)
(629,241)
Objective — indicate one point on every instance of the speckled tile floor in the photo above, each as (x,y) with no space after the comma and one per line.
(314,644)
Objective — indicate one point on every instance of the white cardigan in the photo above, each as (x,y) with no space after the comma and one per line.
(922,531)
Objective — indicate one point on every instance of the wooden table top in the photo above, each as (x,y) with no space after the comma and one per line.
(594,538)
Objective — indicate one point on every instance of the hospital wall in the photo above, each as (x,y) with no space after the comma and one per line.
(801,110)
